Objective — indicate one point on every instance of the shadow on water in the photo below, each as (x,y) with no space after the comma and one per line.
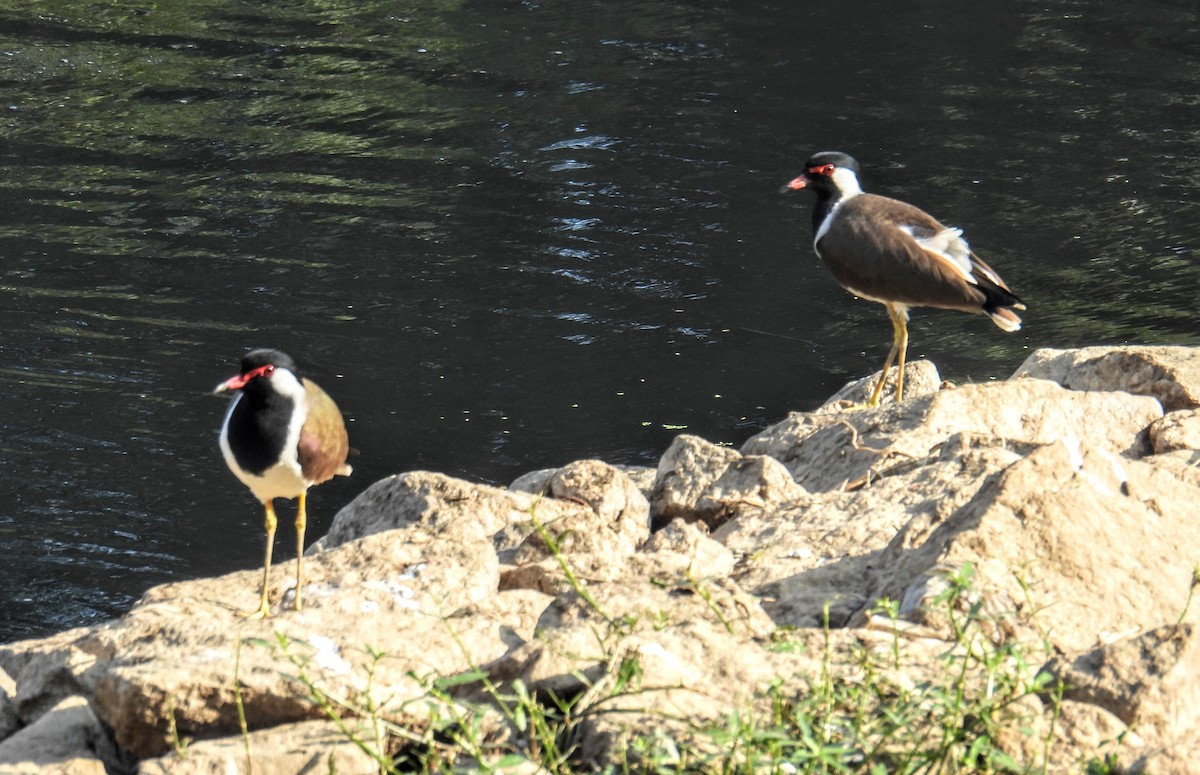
(507,235)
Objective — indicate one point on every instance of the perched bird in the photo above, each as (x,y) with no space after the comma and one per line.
(888,251)
(282,434)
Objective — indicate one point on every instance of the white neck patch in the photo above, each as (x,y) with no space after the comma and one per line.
(846,182)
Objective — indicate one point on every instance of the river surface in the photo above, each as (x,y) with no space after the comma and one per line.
(507,235)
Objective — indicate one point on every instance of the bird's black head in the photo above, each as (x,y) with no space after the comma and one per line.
(256,359)
(820,174)
(256,364)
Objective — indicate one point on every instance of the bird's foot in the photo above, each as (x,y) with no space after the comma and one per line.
(848,406)
(262,612)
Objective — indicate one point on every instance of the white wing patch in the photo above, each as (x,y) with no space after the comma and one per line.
(949,246)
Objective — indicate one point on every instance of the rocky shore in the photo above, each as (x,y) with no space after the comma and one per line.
(1042,531)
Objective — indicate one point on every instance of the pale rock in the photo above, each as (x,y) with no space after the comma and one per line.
(9,719)
(1023,729)
(1175,760)
(1183,463)
(606,489)
(45,679)
(691,642)
(695,675)
(1169,373)
(180,648)
(921,378)
(1175,431)
(1087,541)
(613,521)
(309,746)
(515,612)
(538,482)
(1148,681)
(642,477)
(700,481)
(545,576)
(835,451)
(535,482)
(680,552)
(1085,734)
(571,624)
(699,552)
(818,559)
(65,740)
(441,504)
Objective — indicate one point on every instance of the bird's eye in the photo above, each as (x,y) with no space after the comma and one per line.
(268,370)
(824,169)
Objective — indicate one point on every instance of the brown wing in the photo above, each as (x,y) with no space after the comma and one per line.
(868,253)
(324,443)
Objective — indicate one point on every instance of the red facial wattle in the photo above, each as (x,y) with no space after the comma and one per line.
(239,381)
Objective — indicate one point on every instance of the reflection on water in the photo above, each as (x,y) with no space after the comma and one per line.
(506,235)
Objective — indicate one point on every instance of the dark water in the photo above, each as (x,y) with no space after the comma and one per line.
(507,235)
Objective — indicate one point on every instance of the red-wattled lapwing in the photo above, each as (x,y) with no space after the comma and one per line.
(282,435)
(888,251)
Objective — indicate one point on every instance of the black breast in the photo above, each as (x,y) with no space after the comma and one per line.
(258,427)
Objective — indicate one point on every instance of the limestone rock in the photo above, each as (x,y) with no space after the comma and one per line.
(1170,374)
(834,451)
(1086,733)
(701,481)
(1175,431)
(538,482)
(821,555)
(613,522)
(66,739)
(921,378)
(679,552)
(604,488)
(180,650)
(442,504)
(699,554)
(311,746)
(9,720)
(1167,761)
(690,642)
(515,612)
(46,679)
(1091,542)
(1148,681)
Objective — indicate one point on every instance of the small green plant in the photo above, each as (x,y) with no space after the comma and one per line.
(179,744)
(1191,591)
(857,714)
(868,706)
(573,580)
(241,706)
(360,718)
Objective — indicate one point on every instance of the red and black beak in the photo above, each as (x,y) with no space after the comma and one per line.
(236,382)
(239,381)
(795,184)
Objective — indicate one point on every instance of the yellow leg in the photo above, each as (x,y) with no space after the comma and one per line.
(264,606)
(900,324)
(301,523)
(882,378)
(899,318)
